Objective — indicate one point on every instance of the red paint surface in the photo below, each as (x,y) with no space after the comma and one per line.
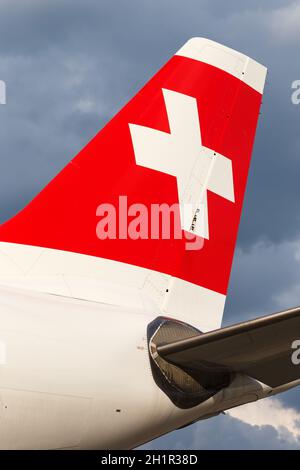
(63,215)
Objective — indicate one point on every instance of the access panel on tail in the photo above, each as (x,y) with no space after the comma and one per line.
(183,142)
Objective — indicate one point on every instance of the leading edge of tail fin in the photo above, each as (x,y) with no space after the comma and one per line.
(154,199)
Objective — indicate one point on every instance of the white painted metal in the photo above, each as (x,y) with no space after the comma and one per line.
(239,65)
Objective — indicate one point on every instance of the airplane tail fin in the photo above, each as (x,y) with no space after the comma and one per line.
(153,201)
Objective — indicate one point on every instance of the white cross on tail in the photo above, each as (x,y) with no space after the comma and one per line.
(182,155)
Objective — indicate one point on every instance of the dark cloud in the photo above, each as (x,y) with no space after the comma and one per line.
(264,280)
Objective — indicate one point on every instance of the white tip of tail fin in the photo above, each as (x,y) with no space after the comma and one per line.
(237,64)
(152,203)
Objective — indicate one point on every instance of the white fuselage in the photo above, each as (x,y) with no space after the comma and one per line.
(76,374)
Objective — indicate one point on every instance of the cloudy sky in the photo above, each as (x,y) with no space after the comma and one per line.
(70,65)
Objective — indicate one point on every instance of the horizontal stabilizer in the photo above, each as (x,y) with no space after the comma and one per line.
(152,204)
(261,348)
